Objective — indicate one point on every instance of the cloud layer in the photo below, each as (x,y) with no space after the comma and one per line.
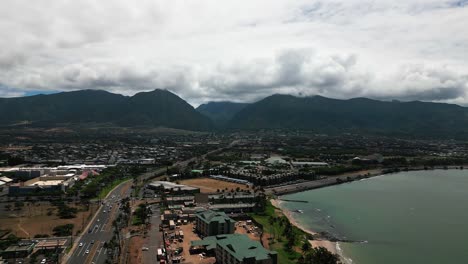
(238,50)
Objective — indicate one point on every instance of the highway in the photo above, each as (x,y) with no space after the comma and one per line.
(89,247)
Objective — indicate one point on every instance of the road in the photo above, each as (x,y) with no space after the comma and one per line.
(155,239)
(90,245)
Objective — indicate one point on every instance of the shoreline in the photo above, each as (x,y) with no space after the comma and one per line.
(347,178)
(329,245)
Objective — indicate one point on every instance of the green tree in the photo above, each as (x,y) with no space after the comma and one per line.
(321,255)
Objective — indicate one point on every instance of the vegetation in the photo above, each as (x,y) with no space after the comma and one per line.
(318,255)
(100,185)
(284,236)
(140,215)
(359,115)
(63,230)
(9,241)
(65,211)
(159,108)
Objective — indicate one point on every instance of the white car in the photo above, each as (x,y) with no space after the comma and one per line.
(81,244)
(87,251)
(43,261)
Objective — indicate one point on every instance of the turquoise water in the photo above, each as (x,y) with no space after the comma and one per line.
(409,217)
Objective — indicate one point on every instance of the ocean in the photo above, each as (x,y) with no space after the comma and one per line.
(408,217)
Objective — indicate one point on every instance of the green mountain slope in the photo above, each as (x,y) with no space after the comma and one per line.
(359,115)
(220,112)
(159,108)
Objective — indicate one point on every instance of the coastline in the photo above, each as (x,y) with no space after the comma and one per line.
(329,245)
(347,178)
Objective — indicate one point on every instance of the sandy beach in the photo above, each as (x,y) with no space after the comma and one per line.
(331,246)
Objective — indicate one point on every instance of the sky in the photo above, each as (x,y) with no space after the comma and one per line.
(242,51)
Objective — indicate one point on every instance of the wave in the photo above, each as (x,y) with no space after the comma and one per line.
(340,252)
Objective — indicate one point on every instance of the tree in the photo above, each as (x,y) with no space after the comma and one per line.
(305,247)
(321,255)
(63,230)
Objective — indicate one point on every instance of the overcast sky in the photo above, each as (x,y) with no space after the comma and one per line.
(239,50)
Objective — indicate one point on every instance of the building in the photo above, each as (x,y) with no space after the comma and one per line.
(237,249)
(211,223)
(6,179)
(21,250)
(173,187)
(309,164)
(275,160)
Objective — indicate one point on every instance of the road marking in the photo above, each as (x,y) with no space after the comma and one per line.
(92,252)
(79,252)
(84,253)
(100,250)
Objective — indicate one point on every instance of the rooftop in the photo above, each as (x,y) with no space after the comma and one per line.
(209,216)
(171,185)
(239,246)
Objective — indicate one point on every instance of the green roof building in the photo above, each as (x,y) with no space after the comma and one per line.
(211,223)
(237,249)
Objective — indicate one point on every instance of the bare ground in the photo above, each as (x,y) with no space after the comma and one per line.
(208,185)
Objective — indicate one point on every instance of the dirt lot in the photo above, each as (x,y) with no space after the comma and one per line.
(253,232)
(33,219)
(136,244)
(208,185)
(189,236)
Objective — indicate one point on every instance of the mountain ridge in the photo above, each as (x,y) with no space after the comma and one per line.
(153,109)
(162,108)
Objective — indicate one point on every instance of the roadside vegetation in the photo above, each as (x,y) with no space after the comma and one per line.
(98,186)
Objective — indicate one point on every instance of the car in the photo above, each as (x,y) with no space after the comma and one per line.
(81,244)
(104,211)
(92,241)
(43,261)
(144,248)
(87,251)
(98,220)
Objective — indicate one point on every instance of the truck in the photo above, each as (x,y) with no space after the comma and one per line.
(160,255)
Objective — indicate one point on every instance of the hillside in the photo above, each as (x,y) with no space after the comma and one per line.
(359,115)
(221,112)
(159,108)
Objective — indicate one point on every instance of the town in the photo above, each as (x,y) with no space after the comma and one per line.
(182,198)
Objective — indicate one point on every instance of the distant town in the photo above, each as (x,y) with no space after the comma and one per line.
(182,197)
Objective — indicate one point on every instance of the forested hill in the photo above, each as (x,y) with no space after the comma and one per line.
(359,115)
(158,108)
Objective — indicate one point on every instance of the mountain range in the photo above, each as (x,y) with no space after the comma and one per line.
(161,108)
(158,108)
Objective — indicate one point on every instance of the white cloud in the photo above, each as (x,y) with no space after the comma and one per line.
(238,50)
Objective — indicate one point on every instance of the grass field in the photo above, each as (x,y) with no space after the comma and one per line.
(208,185)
